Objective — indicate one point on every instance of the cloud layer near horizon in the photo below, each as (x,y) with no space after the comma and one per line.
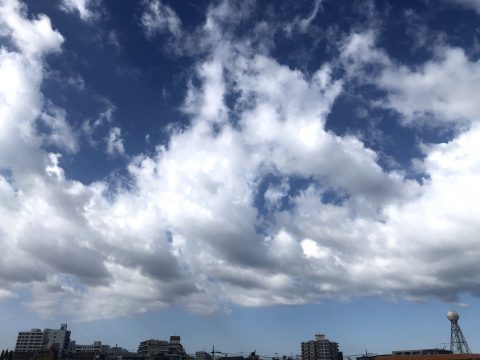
(216,218)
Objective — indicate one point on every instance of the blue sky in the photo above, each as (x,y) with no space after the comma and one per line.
(240,173)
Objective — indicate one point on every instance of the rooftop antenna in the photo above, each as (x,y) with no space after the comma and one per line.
(214,352)
(458,343)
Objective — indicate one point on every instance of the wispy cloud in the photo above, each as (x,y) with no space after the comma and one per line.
(115,142)
(302,25)
(88,10)
(159,18)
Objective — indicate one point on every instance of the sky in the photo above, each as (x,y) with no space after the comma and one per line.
(244,174)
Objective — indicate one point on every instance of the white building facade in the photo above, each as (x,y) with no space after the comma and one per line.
(36,339)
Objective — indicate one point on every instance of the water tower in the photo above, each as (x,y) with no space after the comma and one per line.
(458,344)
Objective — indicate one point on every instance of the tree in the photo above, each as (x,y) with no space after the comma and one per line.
(4,354)
(10,355)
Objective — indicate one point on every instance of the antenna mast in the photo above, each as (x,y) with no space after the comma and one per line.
(458,343)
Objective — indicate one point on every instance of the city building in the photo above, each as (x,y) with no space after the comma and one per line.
(119,351)
(96,347)
(321,349)
(238,357)
(40,354)
(28,341)
(203,355)
(367,356)
(36,339)
(440,356)
(57,336)
(154,349)
(435,351)
(42,345)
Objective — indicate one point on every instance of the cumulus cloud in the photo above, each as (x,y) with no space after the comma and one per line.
(34,37)
(442,89)
(190,228)
(439,92)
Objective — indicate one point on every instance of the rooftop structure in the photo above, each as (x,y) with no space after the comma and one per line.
(152,347)
(430,357)
(162,349)
(203,355)
(434,351)
(96,347)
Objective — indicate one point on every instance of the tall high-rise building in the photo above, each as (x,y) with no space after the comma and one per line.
(320,349)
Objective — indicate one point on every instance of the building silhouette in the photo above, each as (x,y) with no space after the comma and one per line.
(203,355)
(321,349)
(154,349)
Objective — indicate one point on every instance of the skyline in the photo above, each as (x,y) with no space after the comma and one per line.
(372,331)
(261,170)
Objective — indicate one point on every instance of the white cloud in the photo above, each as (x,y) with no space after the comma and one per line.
(115,142)
(442,89)
(86,9)
(91,127)
(302,24)
(210,101)
(312,249)
(35,37)
(54,168)
(6,294)
(159,18)
(60,133)
(185,230)
(444,216)
(200,190)
(359,50)
(275,193)
(439,92)
(21,102)
(77,82)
